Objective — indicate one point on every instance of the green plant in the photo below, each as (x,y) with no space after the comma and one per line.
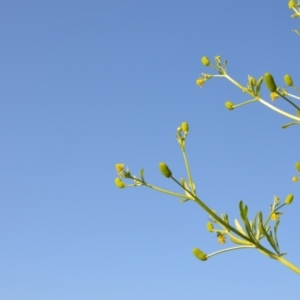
(246,233)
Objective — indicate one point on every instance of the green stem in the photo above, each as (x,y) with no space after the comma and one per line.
(282,260)
(244,90)
(288,100)
(244,103)
(161,190)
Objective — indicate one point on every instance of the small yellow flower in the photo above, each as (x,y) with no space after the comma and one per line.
(120,168)
(274,96)
(200,81)
(295,178)
(221,238)
(275,216)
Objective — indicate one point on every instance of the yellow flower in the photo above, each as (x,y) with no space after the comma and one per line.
(200,81)
(120,168)
(274,96)
(221,238)
(295,178)
(275,216)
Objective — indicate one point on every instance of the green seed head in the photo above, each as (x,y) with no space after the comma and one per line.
(164,169)
(297,165)
(185,126)
(289,199)
(291,4)
(288,80)
(119,183)
(270,83)
(210,226)
(199,254)
(205,61)
(229,105)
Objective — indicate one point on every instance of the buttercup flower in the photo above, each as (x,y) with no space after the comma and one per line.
(120,168)
(221,238)
(200,81)
(275,216)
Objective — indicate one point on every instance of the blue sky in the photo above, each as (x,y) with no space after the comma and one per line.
(87,84)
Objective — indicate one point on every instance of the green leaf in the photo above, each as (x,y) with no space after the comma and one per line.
(142,175)
(269,237)
(275,234)
(289,124)
(258,84)
(239,227)
(242,212)
(225,218)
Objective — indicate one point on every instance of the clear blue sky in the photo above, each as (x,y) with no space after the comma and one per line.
(87,84)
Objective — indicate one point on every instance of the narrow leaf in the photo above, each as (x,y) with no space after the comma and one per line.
(239,227)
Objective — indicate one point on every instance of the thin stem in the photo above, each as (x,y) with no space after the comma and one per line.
(296,89)
(289,101)
(293,96)
(278,110)
(161,190)
(244,103)
(229,249)
(245,90)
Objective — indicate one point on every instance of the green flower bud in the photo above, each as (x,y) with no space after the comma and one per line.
(291,4)
(270,83)
(297,165)
(229,105)
(119,183)
(164,169)
(205,61)
(288,80)
(199,254)
(289,198)
(210,226)
(185,126)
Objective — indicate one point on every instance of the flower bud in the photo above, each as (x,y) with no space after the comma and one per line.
(229,105)
(210,226)
(205,61)
(185,126)
(295,179)
(297,165)
(289,199)
(291,4)
(199,254)
(288,80)
(164,169)
(270,83)
(119,183)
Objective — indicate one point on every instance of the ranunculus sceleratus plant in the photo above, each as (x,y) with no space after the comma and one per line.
(245,233)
